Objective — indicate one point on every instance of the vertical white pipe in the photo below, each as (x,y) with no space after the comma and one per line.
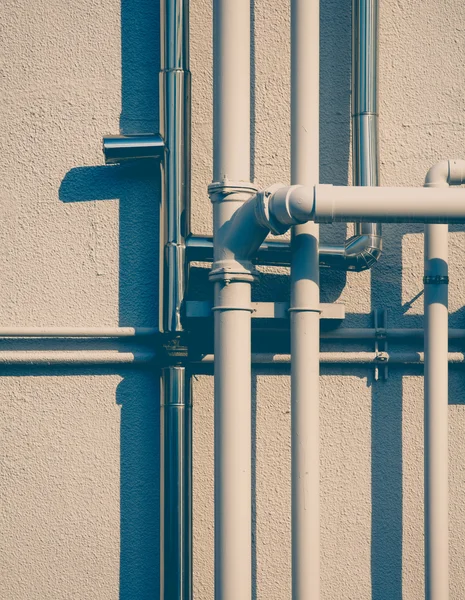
(436,409)
(233,522)
(231,47)
(305,306)
(231,161)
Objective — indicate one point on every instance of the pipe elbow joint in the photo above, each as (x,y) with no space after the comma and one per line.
(362,252)
(445,173)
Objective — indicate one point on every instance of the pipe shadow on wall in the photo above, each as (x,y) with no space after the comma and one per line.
(137,187)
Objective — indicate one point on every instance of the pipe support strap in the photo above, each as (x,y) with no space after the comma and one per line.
(436,279)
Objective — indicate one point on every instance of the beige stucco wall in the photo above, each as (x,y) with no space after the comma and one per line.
(79,481)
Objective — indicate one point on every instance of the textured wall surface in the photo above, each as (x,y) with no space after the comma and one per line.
(79,458)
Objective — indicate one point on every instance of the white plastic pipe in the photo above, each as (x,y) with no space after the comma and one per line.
(233,476)
(436,408)
(388,204)
(77,332)
(305,306)
(436,390)
(349,358)
(231,163)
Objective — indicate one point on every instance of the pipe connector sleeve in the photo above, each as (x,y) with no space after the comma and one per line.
(279,207)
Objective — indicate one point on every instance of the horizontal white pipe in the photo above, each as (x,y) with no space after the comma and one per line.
(108,357)
(342,333)
(78,357)
(379,358)
(77,332)
(388,204)
(355,333)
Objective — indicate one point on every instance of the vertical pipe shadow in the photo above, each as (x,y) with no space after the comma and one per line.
(140,485)
(252,90)
(335,74)
(386,437)
(137,186)
(138,393)
(140,61)
(254,485)
(386,488)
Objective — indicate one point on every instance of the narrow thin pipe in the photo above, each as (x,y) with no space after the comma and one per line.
(110,357)
(175,484)
(305,306)
(340,333)
(77,332)
(76,357)
(232,310)
(350,358)
(354,333)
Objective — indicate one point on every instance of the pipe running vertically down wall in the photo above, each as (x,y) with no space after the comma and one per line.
(232,303)
(435,414)
(175,128)
(176,421)
(305,306)
(436,340)
(176,469)
(365,147)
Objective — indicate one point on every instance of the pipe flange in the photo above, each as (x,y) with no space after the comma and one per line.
(231,191)
(233,270)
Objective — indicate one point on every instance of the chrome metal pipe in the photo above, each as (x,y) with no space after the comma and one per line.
(175,128)
(121,148)
(176,421)
(175,484)
(271,252)
(364,249)
(359,253)
(365,148)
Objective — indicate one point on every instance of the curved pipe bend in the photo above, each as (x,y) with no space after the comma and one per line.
(445,173)
(286,206)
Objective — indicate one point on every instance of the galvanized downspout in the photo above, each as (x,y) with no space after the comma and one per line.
(176,417)
(365,147)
